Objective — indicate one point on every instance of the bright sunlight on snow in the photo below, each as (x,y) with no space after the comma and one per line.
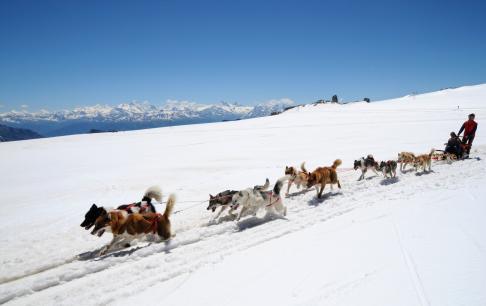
(416,240)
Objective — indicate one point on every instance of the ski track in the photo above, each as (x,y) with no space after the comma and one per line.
(414,275)
(195,239)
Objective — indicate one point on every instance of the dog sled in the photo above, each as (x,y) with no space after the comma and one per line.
(443,155)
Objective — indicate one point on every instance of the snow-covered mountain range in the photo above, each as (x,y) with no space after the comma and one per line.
(135,115)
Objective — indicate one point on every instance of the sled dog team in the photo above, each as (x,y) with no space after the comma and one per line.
(134,221)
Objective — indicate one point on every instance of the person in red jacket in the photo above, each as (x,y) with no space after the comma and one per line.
(469,127)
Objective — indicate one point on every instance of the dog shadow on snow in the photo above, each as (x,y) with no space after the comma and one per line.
(424,173)
(256,221)
(297,193)
(121,252)
(318,201)
(389,181)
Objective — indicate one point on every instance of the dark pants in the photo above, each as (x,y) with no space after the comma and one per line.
(468,140)
(454,149)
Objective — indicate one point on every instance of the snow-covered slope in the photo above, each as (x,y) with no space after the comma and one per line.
(418,240)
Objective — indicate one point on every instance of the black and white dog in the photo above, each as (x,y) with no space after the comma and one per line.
(144,206)
(223,199)
(364,164)
(251,200)
(389,168)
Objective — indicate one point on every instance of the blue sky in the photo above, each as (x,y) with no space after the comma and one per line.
(62,54)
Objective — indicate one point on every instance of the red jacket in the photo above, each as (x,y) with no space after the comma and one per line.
(469,127)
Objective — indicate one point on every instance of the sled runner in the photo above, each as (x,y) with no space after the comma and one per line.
(441,155)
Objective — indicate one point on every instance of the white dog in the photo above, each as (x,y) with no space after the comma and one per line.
(253,199)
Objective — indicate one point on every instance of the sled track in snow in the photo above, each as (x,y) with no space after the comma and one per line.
(193,247)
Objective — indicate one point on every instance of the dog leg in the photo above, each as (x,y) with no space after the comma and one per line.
(230,213)
(223,208)
(243,209)
(109,246)
(281,209)
(322,189)
(288,187)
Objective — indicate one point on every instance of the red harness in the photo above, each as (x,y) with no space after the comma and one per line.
(270,194)
(143,208)
(155,222)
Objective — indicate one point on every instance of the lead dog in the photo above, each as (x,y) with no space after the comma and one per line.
(223,199)
(405,158)
(389,168)
(252,200)
(126,227)
(296,177)
(324,175)
(364,164)
(145,205)
(424,161)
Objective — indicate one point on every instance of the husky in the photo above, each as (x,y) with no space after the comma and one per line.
(324,175)
(223,199)
(389,168)
(144,206)
(297,177)
(252,200)
(364,164)
(405,158)
(424,161)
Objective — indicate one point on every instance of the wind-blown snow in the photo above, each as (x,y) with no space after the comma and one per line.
(418,240)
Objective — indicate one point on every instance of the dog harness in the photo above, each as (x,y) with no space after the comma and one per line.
(154,222)
(143,208)
(270,194)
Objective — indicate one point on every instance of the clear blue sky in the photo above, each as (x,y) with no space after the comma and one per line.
(61,54)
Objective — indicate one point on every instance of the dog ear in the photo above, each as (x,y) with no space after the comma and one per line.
(240,194)
(210,196)
(94,206)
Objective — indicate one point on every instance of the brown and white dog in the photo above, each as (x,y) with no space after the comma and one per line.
(296,177)
(322,176)
(126,227)
(405,158)
(424,161)
(145,205)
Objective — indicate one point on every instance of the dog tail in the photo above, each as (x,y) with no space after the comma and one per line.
(169,207)
(337,163)
(279,184)
(266,185)
(153,192)
(262,187)
(302,167)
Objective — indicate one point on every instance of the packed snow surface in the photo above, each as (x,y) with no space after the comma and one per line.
(415,240)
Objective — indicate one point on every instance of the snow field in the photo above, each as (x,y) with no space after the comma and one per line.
(415,241)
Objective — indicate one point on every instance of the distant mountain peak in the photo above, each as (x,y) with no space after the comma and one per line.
(135,114)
